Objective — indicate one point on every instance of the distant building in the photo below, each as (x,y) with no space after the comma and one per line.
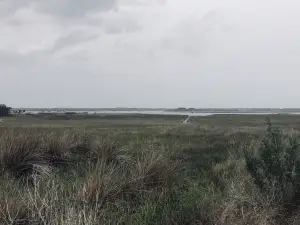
(18,111)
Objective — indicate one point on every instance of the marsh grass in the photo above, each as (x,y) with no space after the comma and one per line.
(74,177)
(156,175)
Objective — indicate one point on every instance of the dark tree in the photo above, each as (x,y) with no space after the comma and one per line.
(4,110)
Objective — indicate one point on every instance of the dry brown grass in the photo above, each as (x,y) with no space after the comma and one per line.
(35,153)
(154,170)
(103,184)
(77,176)
(104,175)
(239,201)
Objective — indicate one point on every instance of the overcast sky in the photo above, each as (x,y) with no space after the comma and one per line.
(150,53)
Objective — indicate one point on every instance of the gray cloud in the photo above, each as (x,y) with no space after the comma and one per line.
(192,36)
(74,8)
(150,53)
(61,8)
(116,27)
(8,7)
(72,39)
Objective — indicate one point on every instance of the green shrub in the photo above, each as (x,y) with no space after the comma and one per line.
(275,167)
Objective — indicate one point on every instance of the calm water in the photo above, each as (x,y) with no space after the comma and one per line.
(158,113)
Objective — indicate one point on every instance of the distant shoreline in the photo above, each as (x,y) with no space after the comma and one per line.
(177,110)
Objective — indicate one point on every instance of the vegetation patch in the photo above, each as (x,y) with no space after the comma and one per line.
(150,174)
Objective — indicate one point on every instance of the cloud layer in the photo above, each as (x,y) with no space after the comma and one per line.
(149,53)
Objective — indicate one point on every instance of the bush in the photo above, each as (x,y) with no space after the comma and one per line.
(4,110)
(276,166)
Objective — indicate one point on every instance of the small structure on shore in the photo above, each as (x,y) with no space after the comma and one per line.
(18,112)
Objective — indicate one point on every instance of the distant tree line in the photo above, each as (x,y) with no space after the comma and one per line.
(4,110)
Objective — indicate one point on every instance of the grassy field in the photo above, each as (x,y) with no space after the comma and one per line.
(137,169)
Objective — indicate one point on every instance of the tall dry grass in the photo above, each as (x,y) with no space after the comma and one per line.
(76,177)
(79,176)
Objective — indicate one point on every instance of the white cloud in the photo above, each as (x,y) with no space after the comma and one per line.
(157,53)
(27,30)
